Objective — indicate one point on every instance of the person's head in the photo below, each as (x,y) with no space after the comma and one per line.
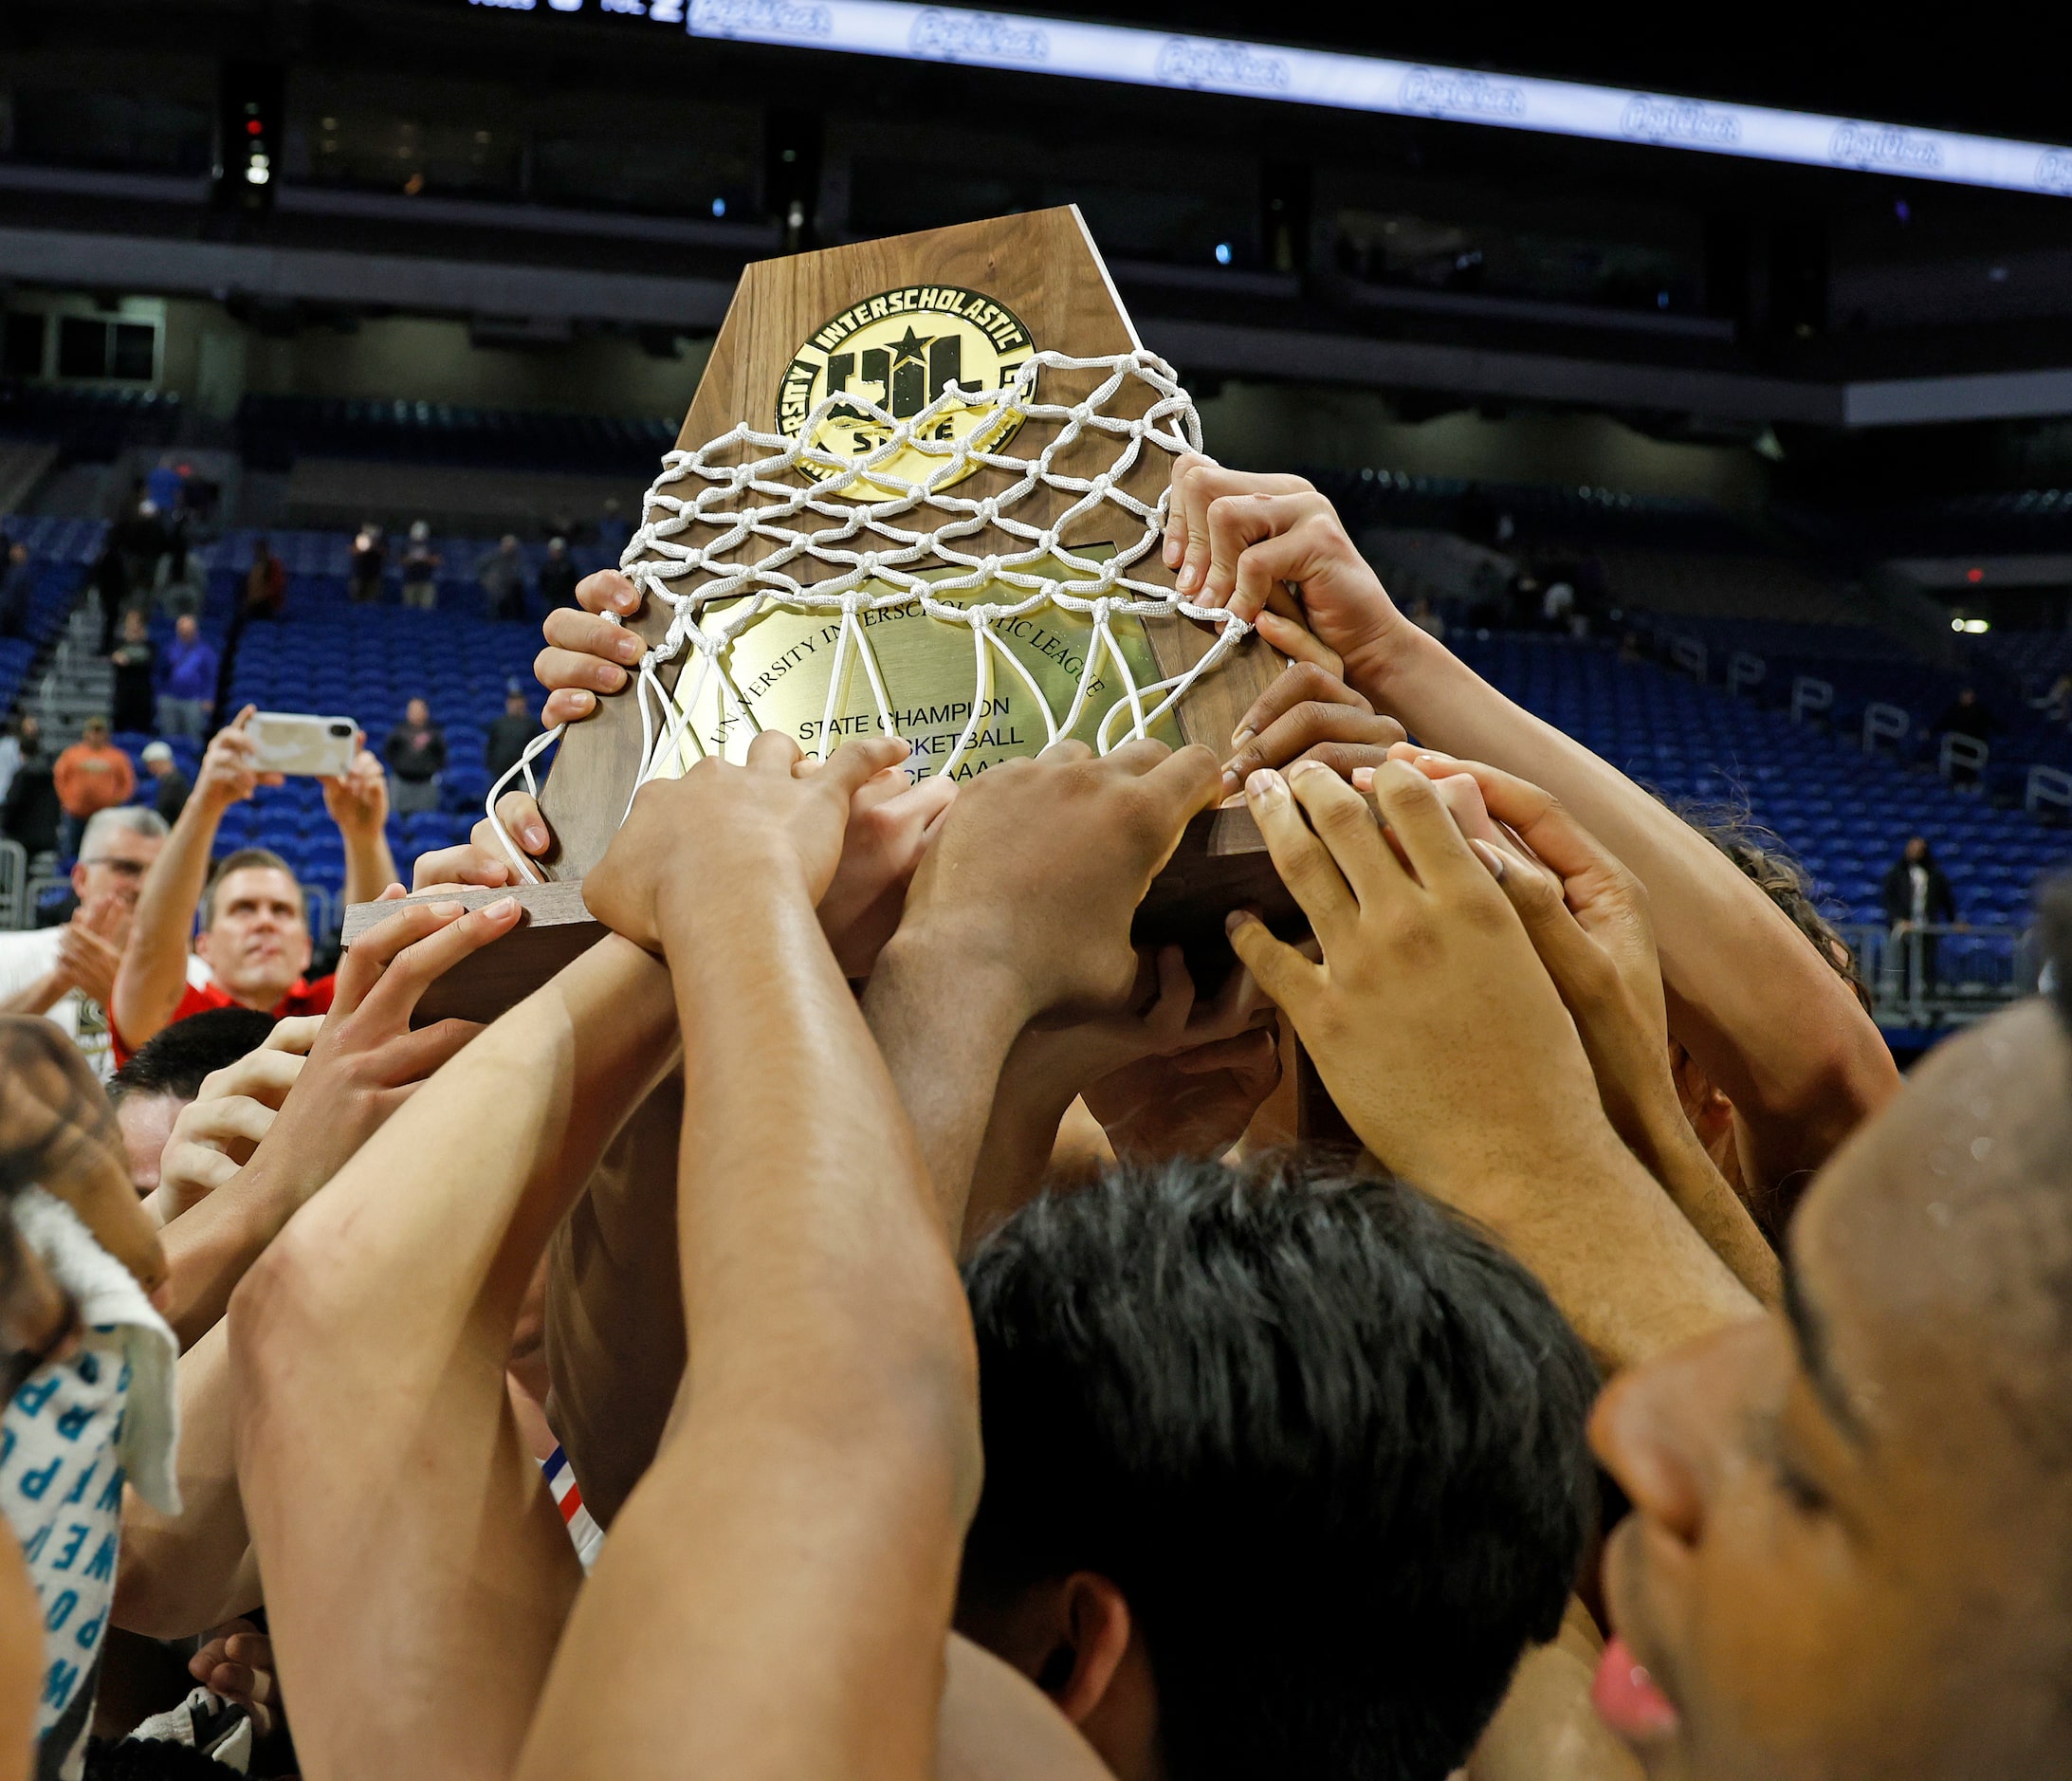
(186,627)
(254,927)
(158,759)
(514,704)
(508,544)
(168,1071)
(148,509)
(134,628)
(29,733)
(416,713)
(557,548)
(420,531)
(1283,1469)
(94,732)
(1851,1550)
(1916,850)
(262,549)
(116,850)
(17,551)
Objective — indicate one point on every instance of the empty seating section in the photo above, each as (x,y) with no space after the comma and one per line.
(93,424)
(274,431)
(1844,814)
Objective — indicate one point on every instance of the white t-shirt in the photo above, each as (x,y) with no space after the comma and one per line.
(28,958)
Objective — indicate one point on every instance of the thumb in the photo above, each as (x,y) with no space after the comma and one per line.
(1277,967)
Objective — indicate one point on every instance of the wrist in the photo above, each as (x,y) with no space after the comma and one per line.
(979,979)
(1397,652)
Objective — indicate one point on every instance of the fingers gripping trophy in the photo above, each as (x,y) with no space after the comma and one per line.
(921,494)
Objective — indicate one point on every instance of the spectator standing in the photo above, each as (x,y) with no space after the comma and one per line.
(254,917)
(612,528)
(1917,894)
(17,591)
(92,775)
(142,541)
(31,811)
(187,683)
(509,734)
(166,486)
(112,586)
(416,754)
(363,574)
(66,973)
(1966,715)
(557,576)
(169,787)
(265,582)
(502,573)
(134,658)
(420,569)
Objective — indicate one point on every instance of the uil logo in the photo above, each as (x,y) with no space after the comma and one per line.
(901,350)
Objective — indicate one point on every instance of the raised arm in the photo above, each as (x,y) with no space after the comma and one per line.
(1767,1019)
(368,1348)
(153,972)
(358,803)
(774,1598)
(1446,1045)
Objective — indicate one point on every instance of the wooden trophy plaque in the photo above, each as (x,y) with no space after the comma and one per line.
(901,320)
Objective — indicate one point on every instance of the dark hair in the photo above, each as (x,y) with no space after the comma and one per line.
(1771,866)
(1326,1438)
(175,1060)
(245,859)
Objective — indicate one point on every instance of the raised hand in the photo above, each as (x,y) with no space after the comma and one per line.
(87,954)
(1039,865)
(227,775)
(1309,713)
(357,800)
(587,652)
(1430,1017)
(767,818)
(216,1132)
(1236,538)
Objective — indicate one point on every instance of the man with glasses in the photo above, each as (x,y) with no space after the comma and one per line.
(66,973)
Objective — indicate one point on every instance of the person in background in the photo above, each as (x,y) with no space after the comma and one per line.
(1968,717)
(415,752)
(31,811)
(110,580)
(254,934)
(170,788)
(91,776)
(1423,615)
(612,528)
(1917,894)
(509,734)
(420,569)
(166,485)
(67,972)
(502,573)
(557,576)
(186,682)
(265,582)
(17,591)
(135,660)
(363,573)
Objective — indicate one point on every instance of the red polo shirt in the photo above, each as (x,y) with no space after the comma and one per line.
(302,997)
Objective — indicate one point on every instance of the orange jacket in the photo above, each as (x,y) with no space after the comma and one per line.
(92,778)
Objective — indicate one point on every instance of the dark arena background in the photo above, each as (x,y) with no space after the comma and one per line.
(1712,397)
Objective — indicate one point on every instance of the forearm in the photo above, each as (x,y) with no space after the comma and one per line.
(37,998)
(1768,1019)
(1020,1137)
(944,1028)
(181,1574)
(1672,1153)
(153,976)
(369,867)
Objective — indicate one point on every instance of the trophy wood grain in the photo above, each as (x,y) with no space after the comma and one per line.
(1043,265)
(553,928)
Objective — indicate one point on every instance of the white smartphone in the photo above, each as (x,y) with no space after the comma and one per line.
(292,741)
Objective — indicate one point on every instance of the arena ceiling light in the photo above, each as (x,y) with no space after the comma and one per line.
(1348,83)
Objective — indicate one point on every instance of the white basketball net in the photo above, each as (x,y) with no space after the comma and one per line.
(877,561)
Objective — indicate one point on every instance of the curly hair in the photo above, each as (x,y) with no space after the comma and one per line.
(1764,859)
